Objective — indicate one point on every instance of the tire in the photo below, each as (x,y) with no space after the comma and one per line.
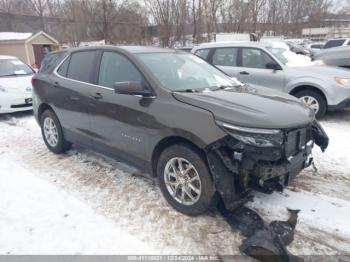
(201,181)
(322,104)
(61,145)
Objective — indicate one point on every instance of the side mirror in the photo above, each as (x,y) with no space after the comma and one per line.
(131,88)
(273,66)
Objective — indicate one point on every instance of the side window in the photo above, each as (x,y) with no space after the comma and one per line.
(226,56)
(255,58)
(202,53)
(117,68)
(50,60)
(62,70)
(81,65)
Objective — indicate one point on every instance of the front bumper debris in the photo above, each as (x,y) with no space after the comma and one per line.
(238,168)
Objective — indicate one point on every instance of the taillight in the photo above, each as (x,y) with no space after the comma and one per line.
(33,80)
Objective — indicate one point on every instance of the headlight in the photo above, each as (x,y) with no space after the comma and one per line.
(342,81)
(3,89)
(320,62)
(254,136)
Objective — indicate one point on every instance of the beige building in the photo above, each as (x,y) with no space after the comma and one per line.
(30,48)
(324,33)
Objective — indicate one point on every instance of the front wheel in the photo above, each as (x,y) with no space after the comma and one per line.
(185,180)
(313,100)
(52,133)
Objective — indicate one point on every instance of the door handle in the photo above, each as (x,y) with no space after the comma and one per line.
(244,73)
(97,96)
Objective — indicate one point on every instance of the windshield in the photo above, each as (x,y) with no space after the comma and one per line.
(289,58)
(186,72)
(12,67)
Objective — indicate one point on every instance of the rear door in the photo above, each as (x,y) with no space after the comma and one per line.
(119,123)
(253,69)
(70,94)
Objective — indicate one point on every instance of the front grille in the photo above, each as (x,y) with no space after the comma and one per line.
(21,105)
(296,140)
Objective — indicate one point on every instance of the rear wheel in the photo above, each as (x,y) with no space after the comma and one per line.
(314,100)
(185,180)
(52,133)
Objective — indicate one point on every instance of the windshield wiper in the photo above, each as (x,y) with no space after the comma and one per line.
(187,91)
(222,87)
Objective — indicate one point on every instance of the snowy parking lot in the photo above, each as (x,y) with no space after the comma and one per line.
(85,203)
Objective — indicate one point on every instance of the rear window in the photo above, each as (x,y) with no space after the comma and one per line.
(81,65)
(13,67)
(50,61)
(334,43)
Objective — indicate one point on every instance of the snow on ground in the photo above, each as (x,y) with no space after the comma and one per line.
(85,203)
(37,217)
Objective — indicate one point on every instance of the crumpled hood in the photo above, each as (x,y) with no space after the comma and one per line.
(251,107)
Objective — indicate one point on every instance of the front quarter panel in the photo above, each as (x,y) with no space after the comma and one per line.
(175,118)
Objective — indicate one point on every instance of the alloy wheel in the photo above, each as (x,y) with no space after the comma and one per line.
(311,102)
(182,181)
(50,132)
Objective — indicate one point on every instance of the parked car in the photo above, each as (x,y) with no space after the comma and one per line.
(337,56)
(298,49)
(15,85)
(315,46)
(171,114)
(337,42)
(185,48)
(320,87)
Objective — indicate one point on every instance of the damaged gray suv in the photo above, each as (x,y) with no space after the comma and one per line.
(204,135)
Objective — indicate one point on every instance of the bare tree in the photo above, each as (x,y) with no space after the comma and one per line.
(39,7)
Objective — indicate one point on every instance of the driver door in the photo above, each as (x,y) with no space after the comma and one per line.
(254,69)
(118,121)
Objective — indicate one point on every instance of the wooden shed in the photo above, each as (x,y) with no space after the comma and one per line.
(30,48)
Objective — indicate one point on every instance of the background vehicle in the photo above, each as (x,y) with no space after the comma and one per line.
(336,42)
(298,49)
(316,46)
(320,87)
(337,56)
(185,48)
(15,85)
(170,113)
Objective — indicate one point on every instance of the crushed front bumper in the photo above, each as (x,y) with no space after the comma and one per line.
(269,177)
(237,167)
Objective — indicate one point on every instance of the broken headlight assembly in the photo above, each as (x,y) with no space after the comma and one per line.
(259,137)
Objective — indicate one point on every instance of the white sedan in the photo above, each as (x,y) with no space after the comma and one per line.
(15,85)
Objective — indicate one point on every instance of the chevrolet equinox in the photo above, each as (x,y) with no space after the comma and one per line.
(204,135)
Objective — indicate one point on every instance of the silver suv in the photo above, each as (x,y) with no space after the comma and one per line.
(322,88)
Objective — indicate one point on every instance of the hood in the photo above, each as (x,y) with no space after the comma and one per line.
(251,107)
(18,84)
